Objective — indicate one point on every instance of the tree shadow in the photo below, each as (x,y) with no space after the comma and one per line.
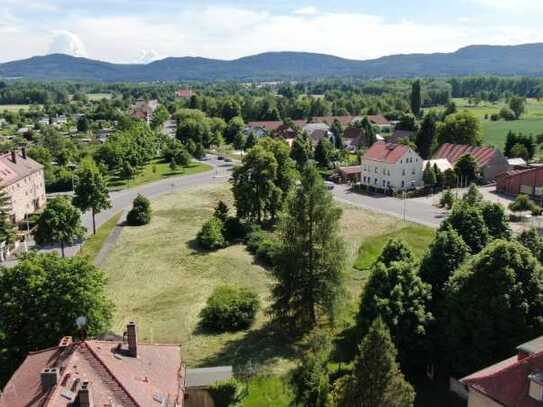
(259,347)
(196,249)
(345,345)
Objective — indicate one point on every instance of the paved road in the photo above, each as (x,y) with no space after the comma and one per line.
(123,199)
(415,211)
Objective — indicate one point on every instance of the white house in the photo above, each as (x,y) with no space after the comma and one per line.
(388,166)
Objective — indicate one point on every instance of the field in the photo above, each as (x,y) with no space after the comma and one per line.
(159,278)
(16,108)
(495,132)
(98,96)
(155,171)
(417,237)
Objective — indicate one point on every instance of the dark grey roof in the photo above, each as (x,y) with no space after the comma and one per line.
(206,376)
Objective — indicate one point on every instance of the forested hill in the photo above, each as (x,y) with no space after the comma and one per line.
(524,60)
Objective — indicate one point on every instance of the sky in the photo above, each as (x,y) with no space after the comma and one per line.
(140,31)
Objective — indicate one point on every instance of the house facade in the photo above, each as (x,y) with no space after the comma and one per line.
(514,382)
(388,166)
(23,180)
(144,109)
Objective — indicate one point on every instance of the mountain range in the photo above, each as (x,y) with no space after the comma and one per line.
(526,60)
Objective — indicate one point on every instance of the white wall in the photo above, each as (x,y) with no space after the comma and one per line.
(403,174)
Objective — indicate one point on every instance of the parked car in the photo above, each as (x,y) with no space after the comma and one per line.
(329,184)
(220,157)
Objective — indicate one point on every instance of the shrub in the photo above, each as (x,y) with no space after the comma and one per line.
(229,393)
(234,229)
(211,236)
(507,114)
(230,309)
(494,117)
(264,245)
(140,214)
(447,200)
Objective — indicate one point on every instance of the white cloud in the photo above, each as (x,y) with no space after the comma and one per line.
(231,32)
(307,11)
(8,22)
(66,42)
(515,6)
(147,55)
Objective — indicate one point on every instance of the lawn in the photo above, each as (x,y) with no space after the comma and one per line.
(417,237)
(98,96)
(495,132)
(159,278)
(93,244)
(16,108)
(155,171)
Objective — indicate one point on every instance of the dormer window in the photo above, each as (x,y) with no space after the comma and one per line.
(536,386)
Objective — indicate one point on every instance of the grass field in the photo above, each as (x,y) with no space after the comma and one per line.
(156,171)
(417,237)
(92,245)
(16,108)
(495,132)
(159,278)
(98,96)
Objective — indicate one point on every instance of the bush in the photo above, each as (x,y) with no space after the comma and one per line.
(494,117)
(234,229)
(140,214)
(230,309)
(507,114)
(447,200)
(211,236)
(228,393)
(264,245)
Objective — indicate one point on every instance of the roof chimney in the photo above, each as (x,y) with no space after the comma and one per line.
(14,156)
(49,378)
(65,342)
(132,338)
(84,395)
(23,152)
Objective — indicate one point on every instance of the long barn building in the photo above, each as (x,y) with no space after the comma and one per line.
(523,181)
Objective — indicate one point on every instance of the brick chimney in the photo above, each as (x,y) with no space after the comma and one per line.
(23,152)
(84,395)
(49,378)
(14,156)
(132,339)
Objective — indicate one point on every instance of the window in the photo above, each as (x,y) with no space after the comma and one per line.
(384,182)
(403,183)
(413,171)
(403,172)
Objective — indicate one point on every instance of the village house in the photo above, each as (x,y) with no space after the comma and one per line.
(514,382)
(117,372)
(144,109)
(490,160)
(388,166)
(22,179)
(184,93)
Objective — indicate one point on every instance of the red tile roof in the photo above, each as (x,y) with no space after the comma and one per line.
(11,172)
(378,119)
(273,124)
(114,376)
(453,152)
(387,152)
(184,93)
(507,382)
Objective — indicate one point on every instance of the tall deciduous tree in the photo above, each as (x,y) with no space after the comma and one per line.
(311,260)
(496,221)
(398,295)
(531,239)
(376,379)
(495,302)
(42,295)
(302,150)
(60,222)
(466,169)
(253,184)
(416,98)
(91,191)
(323,153)
(468,221)
(460,128)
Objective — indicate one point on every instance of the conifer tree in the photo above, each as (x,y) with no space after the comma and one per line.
(7,229)
(311,260)
(395,250)
(416,98)
(376,379)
